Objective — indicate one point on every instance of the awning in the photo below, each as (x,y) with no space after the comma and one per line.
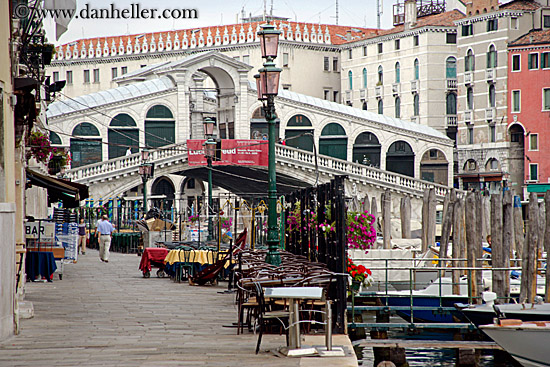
(538,187)
(70,193)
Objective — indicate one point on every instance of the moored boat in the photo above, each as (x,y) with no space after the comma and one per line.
(485,313)
(527,342)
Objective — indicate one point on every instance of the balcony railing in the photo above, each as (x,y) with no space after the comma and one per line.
(451,84)
(452,120)
(349,96)
(379,91)
(467,116)
(468,77)
(490,75)
(363,94)
(490,113)
(414,86)
(396,88)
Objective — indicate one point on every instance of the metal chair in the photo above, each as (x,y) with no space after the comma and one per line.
(265,314)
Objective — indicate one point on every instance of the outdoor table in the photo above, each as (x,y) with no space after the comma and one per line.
(40,263)
(292,294)
(200,259)
(149,255)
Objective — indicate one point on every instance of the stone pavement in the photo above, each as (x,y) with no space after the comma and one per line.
(107,314)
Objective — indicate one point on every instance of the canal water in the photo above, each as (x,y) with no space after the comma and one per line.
(426,357)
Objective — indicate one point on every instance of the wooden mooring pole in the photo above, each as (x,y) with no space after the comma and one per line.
(499,276)
(507,236)
(458,242)
(471,244)
(446,226)
(386,218)
(528,271)
(547,244)
(405,217)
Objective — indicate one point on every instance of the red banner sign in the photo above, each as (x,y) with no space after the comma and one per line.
(233,152)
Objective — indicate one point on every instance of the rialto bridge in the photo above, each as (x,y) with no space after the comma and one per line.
(161,106)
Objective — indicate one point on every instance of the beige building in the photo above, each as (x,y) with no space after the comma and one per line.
(486,155)
(7,176)
(407,71)
(309,55)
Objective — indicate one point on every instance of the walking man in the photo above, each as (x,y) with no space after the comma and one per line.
(105,229)
(82,236)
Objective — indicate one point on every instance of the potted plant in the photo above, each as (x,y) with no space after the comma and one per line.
(359,276)
(361,231)
(59,159)
(39,145)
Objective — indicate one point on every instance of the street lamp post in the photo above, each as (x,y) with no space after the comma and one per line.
(209,153)
(267,83)
(146,172)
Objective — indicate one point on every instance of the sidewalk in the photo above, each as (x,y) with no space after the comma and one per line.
(107,314)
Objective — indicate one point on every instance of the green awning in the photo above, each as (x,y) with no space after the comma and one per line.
(70,193)
(538,187)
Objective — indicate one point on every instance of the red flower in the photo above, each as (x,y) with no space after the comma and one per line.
(361,268)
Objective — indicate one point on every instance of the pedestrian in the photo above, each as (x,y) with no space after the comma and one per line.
(82,237)
(129,151)
(105,229)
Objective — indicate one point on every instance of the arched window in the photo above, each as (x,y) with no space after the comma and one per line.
(85,145)
(469,64)
(397,107)
(416,105)
(364,78)
(160,127)
(416,70)
(492,57)
(365,106)
(122,133)
(380,107)
(470,98)
(397,73)
(299,133)
(492,99)
(366,150)
(333,141)
(350,80)
(450,65)
(451,104)
(380,75)
(54,138)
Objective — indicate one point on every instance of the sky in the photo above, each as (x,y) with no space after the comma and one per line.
(358,13)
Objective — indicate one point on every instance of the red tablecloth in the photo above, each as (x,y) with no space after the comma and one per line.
(152,254)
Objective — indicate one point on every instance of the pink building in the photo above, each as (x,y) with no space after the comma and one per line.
(529,106)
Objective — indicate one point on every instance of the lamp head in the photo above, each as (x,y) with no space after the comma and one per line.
(269,41)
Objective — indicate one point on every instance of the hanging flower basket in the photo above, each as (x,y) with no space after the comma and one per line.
(40,147)
(361,232)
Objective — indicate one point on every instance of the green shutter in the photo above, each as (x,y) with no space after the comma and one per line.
(120,140)
(334,147)
(85,152)
(304,142)
(159,133)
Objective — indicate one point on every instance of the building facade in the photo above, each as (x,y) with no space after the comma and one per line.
(529,105)
(406,72)
(487,158)
(309,55)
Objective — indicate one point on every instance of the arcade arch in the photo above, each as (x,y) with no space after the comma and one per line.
(85,145)
(299,133)
(367,150)
(400,158)
(122,133)
(434,167)
(333,141)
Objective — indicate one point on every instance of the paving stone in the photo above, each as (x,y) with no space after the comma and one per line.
(109,315)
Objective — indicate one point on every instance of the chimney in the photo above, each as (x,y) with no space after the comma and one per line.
(410,14)
(348,35)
